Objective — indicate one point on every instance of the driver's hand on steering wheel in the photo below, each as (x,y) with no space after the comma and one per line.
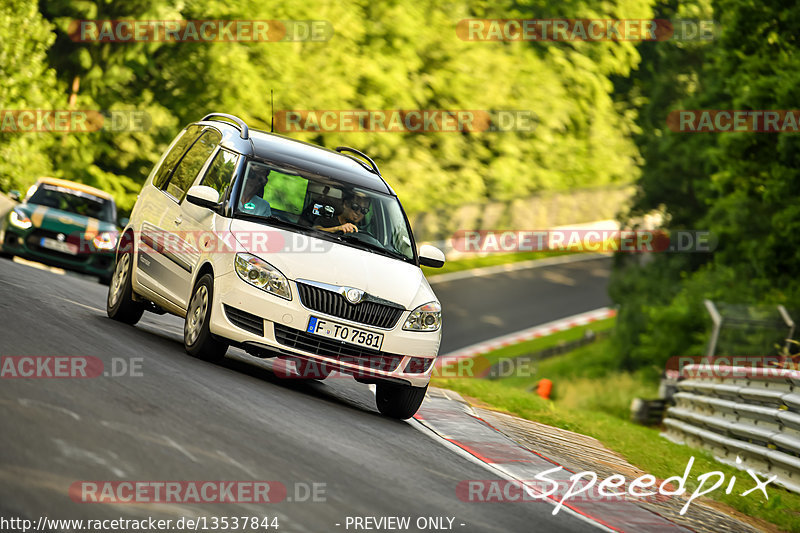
(347,227)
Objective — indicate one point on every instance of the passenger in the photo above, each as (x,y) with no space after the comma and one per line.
(252,201)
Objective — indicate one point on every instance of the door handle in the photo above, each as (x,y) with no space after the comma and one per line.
(178,221)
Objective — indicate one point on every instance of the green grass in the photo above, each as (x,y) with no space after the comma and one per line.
(488,260)
(590,396)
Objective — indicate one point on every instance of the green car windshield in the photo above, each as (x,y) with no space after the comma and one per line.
(77,202)
(359,217)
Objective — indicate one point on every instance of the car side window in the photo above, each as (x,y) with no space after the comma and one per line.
(171,160)
(192,162)
(220,172)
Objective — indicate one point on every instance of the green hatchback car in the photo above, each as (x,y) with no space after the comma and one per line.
(65,224)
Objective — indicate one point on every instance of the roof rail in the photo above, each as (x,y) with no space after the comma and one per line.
(374,168)
(244,131)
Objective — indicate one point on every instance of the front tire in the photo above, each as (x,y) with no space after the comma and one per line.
(120,305)
(399,401)
(197,338)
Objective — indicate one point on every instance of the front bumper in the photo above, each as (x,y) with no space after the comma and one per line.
(23,243)
(262,322)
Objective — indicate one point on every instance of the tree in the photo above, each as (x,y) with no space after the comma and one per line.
(28,83)
(741,186)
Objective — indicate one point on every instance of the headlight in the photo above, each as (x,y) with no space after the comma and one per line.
(20,219)
(426,317)
(261,274)
(105,241)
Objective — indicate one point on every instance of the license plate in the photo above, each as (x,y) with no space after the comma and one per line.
(348,334)
(58,246)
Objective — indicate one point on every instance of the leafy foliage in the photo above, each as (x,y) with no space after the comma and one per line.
(383,55)
(28,83)
(741,186)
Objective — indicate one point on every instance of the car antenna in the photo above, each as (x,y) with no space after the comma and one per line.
(271,112)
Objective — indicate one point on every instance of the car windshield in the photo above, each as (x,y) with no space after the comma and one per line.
(358,217)
(73,201)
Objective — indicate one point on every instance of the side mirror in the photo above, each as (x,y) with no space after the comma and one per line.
(431,256)
(14,195)
(203,196)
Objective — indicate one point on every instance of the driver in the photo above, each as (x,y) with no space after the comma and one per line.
(355,206)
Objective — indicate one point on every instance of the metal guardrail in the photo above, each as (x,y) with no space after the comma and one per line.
(739,412)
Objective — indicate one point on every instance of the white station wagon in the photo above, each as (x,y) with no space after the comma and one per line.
(284,249)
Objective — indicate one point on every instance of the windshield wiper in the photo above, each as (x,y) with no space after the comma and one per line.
(371,246)
(272,219)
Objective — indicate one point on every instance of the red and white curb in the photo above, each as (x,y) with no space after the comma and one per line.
(455,425)
(526,334)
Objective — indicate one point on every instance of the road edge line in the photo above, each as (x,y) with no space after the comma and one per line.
(512,267)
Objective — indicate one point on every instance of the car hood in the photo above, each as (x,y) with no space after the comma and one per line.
(51,219)
(303,257)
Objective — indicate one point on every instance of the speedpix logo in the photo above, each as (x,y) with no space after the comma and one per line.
(588,486)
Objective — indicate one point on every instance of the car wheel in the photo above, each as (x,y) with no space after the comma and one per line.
(197,337)
(307,369)
(399,401)
(119,303)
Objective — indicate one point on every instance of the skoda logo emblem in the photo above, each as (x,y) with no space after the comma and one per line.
(354,295)
(60,237)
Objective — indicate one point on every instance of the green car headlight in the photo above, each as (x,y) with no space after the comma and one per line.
(105,241)
(19,219)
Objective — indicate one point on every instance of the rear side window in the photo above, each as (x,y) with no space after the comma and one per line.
(220,172)
(189,167)
(168,165)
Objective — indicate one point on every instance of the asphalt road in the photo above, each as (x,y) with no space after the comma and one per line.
(481,308)
(184,419)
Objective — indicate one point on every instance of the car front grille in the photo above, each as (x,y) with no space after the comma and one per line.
(245,320)
(344,353)
(35,238)
(333,303)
